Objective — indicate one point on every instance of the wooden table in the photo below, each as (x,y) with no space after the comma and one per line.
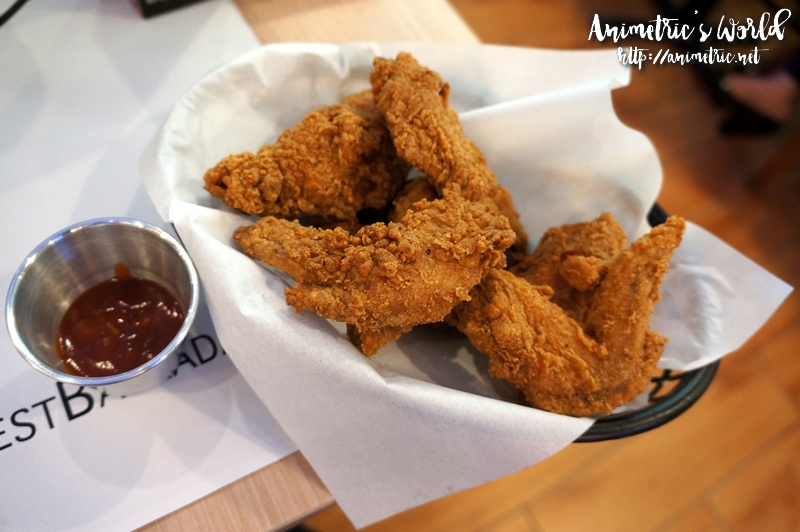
(288,491)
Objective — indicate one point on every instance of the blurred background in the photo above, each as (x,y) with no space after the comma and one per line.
(732,462)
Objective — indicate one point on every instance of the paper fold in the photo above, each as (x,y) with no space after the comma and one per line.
(422,418)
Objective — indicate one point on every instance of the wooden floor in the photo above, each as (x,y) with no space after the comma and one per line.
(732,462)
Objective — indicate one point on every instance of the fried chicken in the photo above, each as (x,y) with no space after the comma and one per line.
(572,259)
(428,134)
(385,278)
(339,160)
(618,315)
(530,341)
(568,326)
(561,365)
(370,340)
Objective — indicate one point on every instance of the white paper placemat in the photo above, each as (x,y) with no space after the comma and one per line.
(83,86)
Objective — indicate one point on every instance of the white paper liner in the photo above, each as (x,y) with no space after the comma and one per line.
(422,418)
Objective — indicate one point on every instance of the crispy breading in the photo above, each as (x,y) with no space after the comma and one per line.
(396,275)
(339,160)
(428,134)
(530,341)
(618,314)
(572,259)
(369,341)
(563,366)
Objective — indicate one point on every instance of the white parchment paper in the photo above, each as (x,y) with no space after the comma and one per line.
(422,418)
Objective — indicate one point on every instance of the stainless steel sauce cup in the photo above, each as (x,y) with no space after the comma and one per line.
(77,258)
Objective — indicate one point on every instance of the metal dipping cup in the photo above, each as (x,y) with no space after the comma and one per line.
(77,258)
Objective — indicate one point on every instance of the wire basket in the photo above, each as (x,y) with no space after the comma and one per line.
(672,393)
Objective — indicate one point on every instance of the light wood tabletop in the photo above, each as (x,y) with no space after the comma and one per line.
(288,491)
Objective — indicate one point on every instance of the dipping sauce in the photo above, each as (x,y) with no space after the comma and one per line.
(117,325)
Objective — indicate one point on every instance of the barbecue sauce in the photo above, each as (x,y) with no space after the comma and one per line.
(117,325)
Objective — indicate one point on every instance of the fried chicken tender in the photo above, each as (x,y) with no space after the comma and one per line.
(618,316)
(339,160)
(530,341)
(572,259)
(428,134)
(559,364)
(385,278)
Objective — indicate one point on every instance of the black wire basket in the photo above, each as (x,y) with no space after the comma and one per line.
(662,407)
(671,394)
